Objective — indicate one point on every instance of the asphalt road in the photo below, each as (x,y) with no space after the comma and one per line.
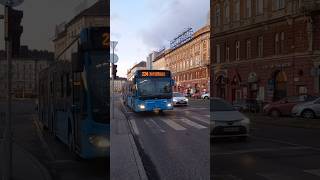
(271,153)
(175,144)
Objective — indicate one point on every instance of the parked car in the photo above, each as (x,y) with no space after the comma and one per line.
(285,105)
(309,110)
(205,96)
(227,121)
(247,105)
(179,99)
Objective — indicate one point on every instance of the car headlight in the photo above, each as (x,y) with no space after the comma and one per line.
(245,120)
(174,100)
(187,99)
(142,106)
(169,105)
(99,141)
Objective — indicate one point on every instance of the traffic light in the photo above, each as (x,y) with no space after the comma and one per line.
(114,71)
(15,29)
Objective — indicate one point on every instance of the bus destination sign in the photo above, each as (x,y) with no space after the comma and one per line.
(153,74)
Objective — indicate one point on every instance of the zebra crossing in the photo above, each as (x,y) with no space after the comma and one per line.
(163,124)
(312,174)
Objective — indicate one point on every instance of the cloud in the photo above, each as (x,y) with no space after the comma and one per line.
(172,18)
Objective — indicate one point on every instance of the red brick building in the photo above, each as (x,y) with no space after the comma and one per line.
(264,50)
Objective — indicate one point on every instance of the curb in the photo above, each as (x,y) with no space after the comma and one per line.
(140,166)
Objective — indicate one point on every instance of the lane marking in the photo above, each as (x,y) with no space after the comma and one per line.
(274,176)
(287,143)
(157,125)
(191,123)
(260,150)
(173,124)
(313,171)
(134,126)
(199,119)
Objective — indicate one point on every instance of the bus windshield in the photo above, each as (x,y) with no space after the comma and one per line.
(98,86)
(149,88)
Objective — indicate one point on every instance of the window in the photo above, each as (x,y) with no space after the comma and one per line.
(237,10)
(217,15)
(218,53)
(226,11)
(237,50)
(248,49)
(278,4)
(260,46)
(248,8)
(282,42)
(276,43)
(259,7)
(227,53)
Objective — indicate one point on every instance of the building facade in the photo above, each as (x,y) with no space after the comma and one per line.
(159,62)
(264,50)
(66,34)
(25,73)
(118,84)
(189,63)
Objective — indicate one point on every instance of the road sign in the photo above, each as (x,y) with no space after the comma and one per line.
(114,58)
(113,44)
(11,3)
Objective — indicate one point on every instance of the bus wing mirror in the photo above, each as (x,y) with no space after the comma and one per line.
(77,62)
(173,82)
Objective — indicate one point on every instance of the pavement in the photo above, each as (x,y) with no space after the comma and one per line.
(125,160)
(25,165)
(272,152)
(173,144)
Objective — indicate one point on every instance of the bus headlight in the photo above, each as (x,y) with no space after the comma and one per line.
(169,105)
(142,106)
(99,141)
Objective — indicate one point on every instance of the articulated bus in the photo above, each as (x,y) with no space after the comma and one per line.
(150,90)
(74,96)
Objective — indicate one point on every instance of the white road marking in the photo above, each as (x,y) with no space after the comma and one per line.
(313,172)
(157,125)
(191,123)
(200,119)
(260,150)
(134,126)
(173,124)
(274,176)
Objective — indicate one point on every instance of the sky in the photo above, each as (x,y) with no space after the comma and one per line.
(41,17)
(142,26)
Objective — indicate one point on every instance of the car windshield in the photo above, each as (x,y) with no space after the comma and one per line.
(221,105)
(178,95)
(154,88)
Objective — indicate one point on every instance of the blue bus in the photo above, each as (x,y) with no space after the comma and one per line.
(74,96)
(149,90)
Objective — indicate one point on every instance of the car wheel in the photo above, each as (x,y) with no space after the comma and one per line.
(274,113)
(308,114)
(206,97)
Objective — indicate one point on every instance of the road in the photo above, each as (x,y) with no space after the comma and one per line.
(175,144)
(271,153)
(55,156)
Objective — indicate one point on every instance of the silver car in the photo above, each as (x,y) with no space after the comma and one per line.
(226,121)
(307,110)
(179,99)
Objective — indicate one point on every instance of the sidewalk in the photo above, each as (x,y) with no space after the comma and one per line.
(25,165)
(125,162)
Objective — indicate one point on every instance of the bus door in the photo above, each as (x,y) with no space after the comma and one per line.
(77,107)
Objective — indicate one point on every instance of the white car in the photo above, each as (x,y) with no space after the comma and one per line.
(205,96)
(179,99)
(226,121)
(307,110)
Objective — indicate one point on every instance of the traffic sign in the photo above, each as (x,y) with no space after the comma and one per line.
(11,3)
(114,58)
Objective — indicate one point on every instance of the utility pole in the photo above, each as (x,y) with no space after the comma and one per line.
(7,165)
